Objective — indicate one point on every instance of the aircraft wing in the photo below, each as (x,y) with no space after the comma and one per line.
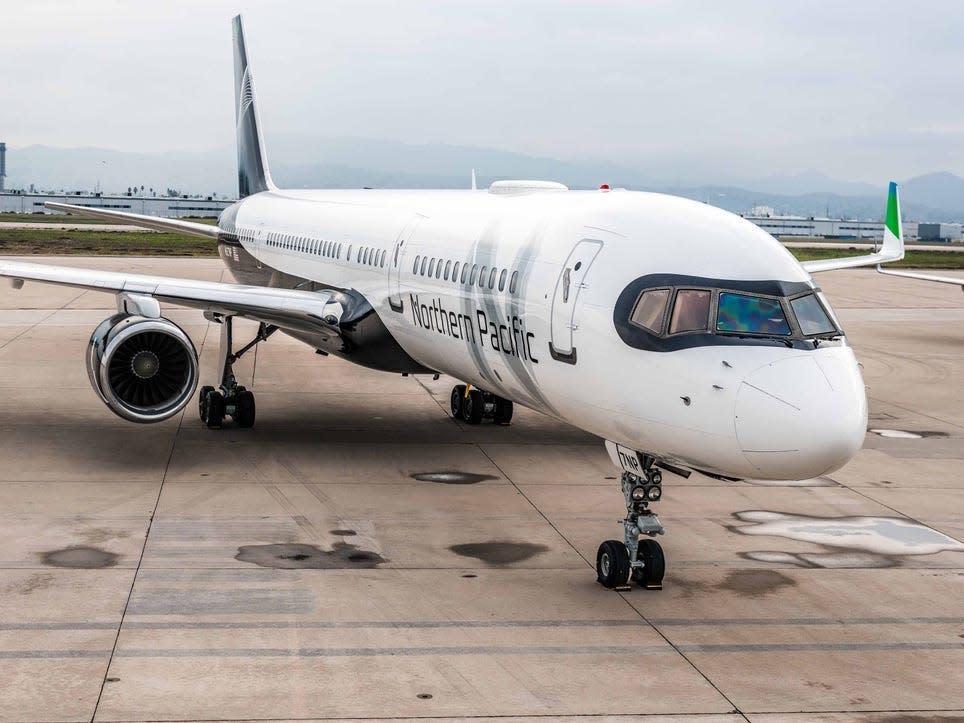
(892,249)
(156,223)
(925,277)
(292,309)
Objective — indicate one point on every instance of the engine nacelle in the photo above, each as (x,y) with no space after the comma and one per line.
(144,370)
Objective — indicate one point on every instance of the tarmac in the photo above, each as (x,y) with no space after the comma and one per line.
(359,554)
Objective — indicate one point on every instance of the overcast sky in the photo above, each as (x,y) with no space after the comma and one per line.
(708,91)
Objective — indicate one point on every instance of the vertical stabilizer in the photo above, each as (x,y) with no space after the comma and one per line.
(253,174)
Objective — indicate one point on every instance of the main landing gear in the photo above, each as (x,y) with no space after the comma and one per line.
(231,399)
(474,405)
(642,561)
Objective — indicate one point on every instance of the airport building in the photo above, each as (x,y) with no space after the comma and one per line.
(166,206)
(818,227)
(940,232)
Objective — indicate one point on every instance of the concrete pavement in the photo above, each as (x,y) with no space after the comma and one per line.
(360,554)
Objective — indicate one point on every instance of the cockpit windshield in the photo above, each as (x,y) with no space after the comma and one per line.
(740,313)
(811,316)
(673,312)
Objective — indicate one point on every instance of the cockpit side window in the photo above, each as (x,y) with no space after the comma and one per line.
(691,311)
(811,316)
(745,314)
(650,309)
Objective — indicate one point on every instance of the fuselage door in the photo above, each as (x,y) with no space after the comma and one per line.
(571,280)
(395,264)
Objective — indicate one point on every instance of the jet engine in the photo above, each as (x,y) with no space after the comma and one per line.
(144,370)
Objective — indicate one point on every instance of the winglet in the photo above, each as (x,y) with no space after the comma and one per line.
(891,250)
(474,187)
(893,247)
(253,174)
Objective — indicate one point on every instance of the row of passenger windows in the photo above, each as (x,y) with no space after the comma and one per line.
(457,272)
(330,249)
(677,311)
(291,242)
(466,274)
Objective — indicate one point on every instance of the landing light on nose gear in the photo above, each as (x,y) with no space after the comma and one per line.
(640,560)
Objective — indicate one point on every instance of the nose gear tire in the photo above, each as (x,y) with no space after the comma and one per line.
(612,564)
(650,576)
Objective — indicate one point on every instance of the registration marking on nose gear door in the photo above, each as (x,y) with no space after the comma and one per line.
(626,458)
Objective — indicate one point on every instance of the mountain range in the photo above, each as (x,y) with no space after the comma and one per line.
(312,162)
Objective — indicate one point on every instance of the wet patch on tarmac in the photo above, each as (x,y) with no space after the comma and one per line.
(755,583)
(80,558)
(499,552)
(853,542)
(452,478)
(343,533)
(297,556)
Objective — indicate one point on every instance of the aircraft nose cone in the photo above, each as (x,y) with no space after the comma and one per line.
(803,416)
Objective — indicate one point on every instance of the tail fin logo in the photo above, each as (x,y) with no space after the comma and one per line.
(246,98)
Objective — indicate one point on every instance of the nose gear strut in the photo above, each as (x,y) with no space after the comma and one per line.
(640,560)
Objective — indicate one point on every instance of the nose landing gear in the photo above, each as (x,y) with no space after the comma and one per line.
(473,405)
(642,561)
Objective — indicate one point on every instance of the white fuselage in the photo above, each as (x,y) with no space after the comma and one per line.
(543,333)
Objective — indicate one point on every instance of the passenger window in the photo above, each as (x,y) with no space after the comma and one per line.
(431,268)
(482,277)
(751,314)
(502,279)
(415,267)
(514,282)
(448,267)
(424,264)
(465,268)
(492,275)
(691,311)
(650,309)
(384,254)
(438,270)
(348,255)
(474,275)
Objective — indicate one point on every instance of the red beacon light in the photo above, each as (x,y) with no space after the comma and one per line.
(604,187)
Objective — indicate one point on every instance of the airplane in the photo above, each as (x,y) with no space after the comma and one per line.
(684,336)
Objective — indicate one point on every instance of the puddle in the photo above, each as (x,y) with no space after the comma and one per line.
(864,539)
(498,552)
(814,482)
(756,583)
(452,478)
(296,556)
(904,434)
(81,558)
